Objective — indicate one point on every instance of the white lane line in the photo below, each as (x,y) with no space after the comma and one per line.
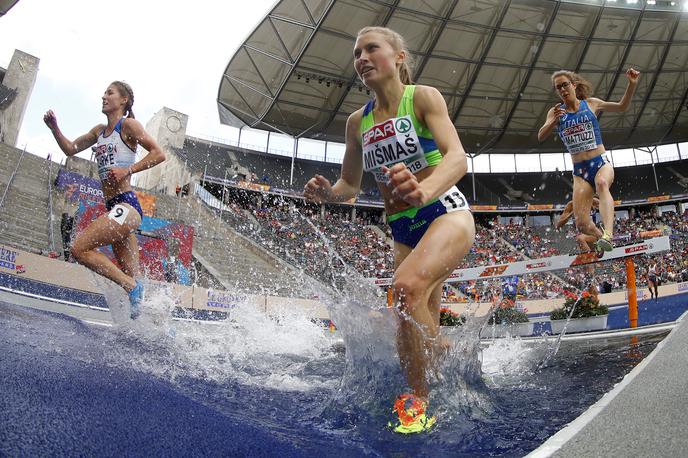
(555,442)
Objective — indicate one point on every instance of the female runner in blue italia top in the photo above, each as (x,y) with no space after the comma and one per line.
(115,151)
(405,138)
(575,119)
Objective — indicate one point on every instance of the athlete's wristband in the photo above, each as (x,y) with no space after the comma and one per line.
(131,172)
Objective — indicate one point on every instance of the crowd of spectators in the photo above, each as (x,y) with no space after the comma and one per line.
(489,248)
(320,241)
(527,241)
(671,266)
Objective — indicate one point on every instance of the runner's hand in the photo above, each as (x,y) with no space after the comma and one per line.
(318,190)
(405,185)
(118,174)
(633,75)
(559,112)
(50,120)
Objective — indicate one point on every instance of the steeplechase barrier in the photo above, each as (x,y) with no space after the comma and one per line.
(531,266)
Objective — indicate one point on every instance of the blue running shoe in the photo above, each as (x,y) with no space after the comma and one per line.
(135,299)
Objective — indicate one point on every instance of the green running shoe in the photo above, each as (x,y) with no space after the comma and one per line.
(604,243)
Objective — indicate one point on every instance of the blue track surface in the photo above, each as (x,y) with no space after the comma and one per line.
(67,388)
(53,402)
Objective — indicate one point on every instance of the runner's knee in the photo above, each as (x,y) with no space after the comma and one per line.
(408,289)
(78,252)
(601,184)
(583,225)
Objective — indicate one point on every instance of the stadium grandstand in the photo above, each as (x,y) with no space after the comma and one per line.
(515,186)
(294,75)
(509,229)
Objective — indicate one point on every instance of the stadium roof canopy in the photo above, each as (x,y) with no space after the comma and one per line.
(5,6)
(491,59)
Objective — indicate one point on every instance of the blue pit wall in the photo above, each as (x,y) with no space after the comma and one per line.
(663,310)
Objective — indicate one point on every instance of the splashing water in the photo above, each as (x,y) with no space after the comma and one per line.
(248,347)
(372,376)
(283,369)
(289,352)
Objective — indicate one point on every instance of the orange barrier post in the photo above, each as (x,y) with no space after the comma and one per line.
(390,297)
(632,295)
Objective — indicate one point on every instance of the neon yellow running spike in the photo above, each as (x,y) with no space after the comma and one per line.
(410,413)
(604,243)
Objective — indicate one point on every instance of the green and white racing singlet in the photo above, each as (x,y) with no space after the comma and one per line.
(400,139)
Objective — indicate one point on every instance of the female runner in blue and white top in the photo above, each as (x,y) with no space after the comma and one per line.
(576,122)
(405,138)
(115,151)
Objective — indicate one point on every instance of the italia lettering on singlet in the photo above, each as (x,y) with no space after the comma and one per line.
(579,134)
(389,143)
(580,131)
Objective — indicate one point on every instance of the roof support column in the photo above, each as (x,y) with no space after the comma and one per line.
(293,158)
(654,171)
(475,199)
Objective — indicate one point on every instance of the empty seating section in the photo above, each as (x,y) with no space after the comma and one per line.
(202,156)
(24,215)
(236,261)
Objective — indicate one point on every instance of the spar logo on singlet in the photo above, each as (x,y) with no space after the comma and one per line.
(391,142)
(578,133)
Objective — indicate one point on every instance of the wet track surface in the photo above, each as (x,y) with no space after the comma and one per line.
(69,388)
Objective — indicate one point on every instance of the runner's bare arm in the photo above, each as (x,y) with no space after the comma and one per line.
(622,105)
(70,148)
(551,122)
(134,130)
(319,190)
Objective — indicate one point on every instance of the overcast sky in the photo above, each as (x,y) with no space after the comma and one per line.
(172,53)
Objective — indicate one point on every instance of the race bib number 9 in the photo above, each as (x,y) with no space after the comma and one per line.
(118,213)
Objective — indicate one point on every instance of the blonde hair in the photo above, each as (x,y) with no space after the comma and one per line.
(125,91)
(583,87)
(397,42)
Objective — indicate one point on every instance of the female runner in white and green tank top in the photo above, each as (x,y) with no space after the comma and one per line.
(405,138)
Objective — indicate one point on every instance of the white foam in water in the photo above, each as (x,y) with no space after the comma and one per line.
(249,347)
(278,351)
(369,331)
(507,356)
(256,349)
(275,351)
